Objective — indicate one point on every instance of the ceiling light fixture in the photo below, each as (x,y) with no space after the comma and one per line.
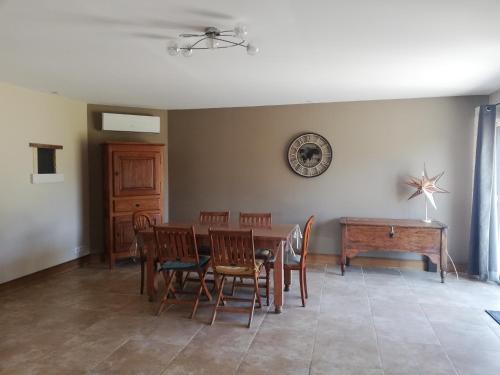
(213,39)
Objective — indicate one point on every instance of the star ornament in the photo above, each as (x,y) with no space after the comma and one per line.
(426,186)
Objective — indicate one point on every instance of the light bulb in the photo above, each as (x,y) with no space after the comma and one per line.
(212,43)
(240,31)
(252,50)
(187,51)
(173,49)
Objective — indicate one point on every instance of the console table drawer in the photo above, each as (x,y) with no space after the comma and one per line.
(367,237)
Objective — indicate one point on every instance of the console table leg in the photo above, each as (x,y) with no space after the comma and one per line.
(342,253)
(444,253)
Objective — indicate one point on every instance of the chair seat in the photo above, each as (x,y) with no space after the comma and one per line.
(290,260)
(240,271)
(264,254)
(178,265)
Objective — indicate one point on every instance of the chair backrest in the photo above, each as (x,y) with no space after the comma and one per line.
(232,247)
(174,243)
(214,217)
(256,219)
(141,220)
(305,240)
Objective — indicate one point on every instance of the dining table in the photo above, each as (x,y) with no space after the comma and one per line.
(275,237)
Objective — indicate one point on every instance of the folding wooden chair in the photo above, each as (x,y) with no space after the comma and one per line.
(177,253)
(233,255)
(258,220)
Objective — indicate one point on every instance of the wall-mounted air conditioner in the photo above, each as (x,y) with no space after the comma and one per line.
(130,123)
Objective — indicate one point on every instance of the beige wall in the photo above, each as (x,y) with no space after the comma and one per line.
(235,159)
(95,139)
(41,225)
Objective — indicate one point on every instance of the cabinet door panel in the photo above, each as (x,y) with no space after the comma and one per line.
(136,173)
(124,231)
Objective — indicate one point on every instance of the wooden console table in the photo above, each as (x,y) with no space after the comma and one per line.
(362,235)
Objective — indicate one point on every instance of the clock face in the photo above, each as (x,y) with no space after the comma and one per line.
(310,155)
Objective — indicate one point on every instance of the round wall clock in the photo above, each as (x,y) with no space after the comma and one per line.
(309,155)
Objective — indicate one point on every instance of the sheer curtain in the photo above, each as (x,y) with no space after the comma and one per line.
(484,253)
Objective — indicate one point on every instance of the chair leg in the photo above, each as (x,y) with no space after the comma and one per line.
(198,295)
(184,280)
(233,289)
(169,277)
(204,285)
(268,273)
(305,281)
(219,296)
(256,289)
(302,293)
(142,275)
(256,293)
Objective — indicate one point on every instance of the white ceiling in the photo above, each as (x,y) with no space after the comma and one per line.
(113,51)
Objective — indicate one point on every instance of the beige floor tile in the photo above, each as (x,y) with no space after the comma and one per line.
(370,321)
(194,361)
(416,331)
(467,337)
(404,358)
(328,368)
(475,362)
(84,351)
(273,363)
(139,357)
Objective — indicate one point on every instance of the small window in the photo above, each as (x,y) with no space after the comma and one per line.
(46,160)
(44,164)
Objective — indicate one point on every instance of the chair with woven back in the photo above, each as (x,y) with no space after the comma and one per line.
(178,253)
(258,220)
(298,262)
(233,255)
(141,221)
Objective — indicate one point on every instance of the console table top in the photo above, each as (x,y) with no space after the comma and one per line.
(392,222)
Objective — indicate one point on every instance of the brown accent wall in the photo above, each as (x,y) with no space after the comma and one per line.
(96,137)
(235,158)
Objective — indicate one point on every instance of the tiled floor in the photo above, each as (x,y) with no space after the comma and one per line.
(372,321)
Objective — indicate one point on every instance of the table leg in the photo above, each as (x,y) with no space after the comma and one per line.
(343,249)
(150,275)
(278,279)
(288,279)
(444,253)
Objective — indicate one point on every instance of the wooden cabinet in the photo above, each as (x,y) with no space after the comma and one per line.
(133,182)
(362,235)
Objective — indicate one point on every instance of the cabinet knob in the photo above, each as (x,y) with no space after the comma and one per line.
(137,205)
(392,233)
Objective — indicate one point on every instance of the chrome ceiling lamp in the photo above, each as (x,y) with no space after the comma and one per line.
(213,39)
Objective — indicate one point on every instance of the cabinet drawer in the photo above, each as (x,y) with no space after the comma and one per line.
(366,237)
(130,205)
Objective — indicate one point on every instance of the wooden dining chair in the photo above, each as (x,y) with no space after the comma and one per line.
(141,221)
(214,218)
(177,253)
(233,255)
(298,262)
(256,220)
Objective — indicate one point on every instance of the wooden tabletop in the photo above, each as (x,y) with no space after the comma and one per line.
(408,223)
(274,232)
